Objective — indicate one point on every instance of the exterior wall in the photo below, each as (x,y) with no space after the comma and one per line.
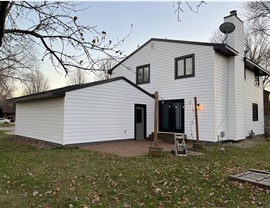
(236,81)
(253,94)
(161,56)
(104,112)
(225,120)
(41,119)
(222,85)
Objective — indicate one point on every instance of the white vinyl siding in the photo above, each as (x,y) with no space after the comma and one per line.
(237,91)
(41,119)
(226,117)
(104,112)
(222,112)
(253,94)
(161,56)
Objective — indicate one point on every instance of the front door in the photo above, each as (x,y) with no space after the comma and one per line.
(140,121)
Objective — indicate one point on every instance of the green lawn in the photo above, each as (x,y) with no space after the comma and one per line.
(7,125)
(71,177)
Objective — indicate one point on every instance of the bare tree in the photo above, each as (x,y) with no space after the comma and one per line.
(5,94)
(106,65)
(217,37)
(36,82)
(16,59)
(192,6)
(257,47)
(55,28)
(258,14)
(257,39)
(77,77)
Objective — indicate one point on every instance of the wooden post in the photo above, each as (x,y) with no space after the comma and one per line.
(156,120)
(196,119)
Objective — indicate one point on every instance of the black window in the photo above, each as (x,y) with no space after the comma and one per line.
(255,112)
(185,66)
(257,80)
(143,74)
(171,116)
(138,115)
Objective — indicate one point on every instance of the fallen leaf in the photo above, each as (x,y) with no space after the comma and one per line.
(72,188)
(96,199)
(35,193)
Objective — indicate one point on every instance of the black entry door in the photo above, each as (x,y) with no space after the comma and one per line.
(171,116)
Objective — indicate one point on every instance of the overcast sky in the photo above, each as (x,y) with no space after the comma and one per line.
(150,20)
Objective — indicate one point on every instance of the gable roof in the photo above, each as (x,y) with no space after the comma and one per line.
(61,92)
(220,47)
(255,67)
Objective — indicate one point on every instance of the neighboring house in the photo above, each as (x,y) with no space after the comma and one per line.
(7,110)
(228,87)
(266,112)
(93,112)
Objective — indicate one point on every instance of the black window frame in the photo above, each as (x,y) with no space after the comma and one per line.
(255,112)
(142,67)
(176,66)
(256,80)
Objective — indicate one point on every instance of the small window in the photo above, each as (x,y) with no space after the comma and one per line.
(255,112)
(257,80)
(143,74)
(138,115)
(184,66)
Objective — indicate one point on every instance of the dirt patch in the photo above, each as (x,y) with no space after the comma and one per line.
(131,148)
(33,142)
(246,143)
(126,148)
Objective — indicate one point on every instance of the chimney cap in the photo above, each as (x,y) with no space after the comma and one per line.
(233,13)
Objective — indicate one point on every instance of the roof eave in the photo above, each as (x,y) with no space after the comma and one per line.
(256,68)
(222,48)
(225,50)
(35,97)
(61,92)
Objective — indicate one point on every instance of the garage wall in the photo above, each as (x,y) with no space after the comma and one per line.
(104,112)
(41,119)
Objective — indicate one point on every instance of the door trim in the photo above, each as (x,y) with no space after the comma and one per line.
(144,118)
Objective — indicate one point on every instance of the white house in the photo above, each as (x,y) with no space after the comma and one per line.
(113,109)
(228,87)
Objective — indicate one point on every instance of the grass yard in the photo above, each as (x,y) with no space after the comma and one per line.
(71,177)
(7,125)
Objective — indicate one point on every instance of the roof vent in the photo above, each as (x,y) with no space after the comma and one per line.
(233,13)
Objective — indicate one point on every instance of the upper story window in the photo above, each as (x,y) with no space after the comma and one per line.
(143,74)
(257,80)
(185,66)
